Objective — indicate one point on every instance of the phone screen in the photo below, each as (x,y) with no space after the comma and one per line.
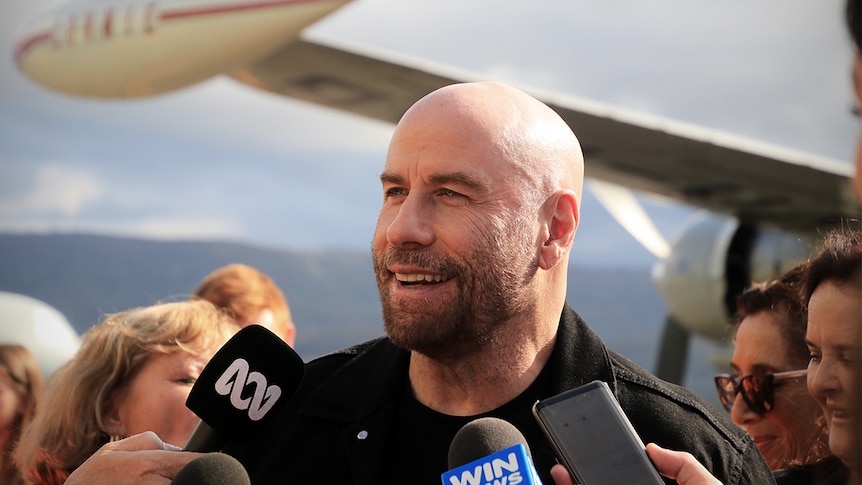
(594,438)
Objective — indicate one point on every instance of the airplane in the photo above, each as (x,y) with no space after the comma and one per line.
(40,328)
(763,206)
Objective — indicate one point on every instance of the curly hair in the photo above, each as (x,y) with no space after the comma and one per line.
(245,293)
(839,261)
(782,297)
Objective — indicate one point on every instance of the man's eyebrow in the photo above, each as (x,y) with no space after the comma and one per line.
(391,178)
(458,178)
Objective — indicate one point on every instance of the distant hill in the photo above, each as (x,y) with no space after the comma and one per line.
(332,295)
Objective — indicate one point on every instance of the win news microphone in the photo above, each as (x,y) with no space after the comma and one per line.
(489,450)
(212,469)
(246,382)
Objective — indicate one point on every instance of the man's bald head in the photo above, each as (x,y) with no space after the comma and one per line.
(521,128)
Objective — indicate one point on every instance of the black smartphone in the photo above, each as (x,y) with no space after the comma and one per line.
(593,437)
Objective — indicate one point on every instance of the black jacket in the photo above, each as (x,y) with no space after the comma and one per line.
(335,429)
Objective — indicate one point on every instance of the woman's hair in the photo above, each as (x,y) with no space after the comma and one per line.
(782,298)
(72,424)
(26,376)
(245,292)
(839,261)
(853,18)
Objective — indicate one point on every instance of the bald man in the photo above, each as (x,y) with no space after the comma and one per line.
(481,195)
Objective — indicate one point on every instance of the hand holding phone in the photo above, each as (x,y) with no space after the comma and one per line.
(593,438)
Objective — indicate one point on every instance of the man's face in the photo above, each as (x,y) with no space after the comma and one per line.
(455,244)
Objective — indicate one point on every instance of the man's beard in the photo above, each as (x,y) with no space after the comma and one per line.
(493,286)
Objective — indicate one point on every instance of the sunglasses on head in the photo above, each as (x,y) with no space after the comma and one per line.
(756,389)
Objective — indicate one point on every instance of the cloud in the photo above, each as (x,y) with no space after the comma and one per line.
(57,189)
(166,229)
(221,159)
(180,228)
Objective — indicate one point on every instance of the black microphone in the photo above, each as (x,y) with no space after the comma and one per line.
(489,450)
(212,469)
(246,382)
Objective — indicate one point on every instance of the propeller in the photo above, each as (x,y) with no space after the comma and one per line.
(622,204)
(625,208)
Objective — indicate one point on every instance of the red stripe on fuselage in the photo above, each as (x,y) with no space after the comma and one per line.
(204,11)
(30,42)
(48,36)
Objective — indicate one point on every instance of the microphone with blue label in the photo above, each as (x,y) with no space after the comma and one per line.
(490,451)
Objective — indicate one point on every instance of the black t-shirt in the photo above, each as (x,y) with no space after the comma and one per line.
(421,441)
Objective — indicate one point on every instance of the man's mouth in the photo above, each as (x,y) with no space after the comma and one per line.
(410,279)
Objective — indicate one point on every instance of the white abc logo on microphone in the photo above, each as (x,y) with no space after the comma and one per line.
(235,378)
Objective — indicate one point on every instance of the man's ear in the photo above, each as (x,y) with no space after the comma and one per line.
(559,229)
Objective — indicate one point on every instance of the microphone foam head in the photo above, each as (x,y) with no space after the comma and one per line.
(212,469)
(482,437)
(247,380)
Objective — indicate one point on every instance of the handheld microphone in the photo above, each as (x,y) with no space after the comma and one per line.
(212,469)
(247,381)
(489,450)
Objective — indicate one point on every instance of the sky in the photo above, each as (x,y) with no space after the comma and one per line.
(224,161)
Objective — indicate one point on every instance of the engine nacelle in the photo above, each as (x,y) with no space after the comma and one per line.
(715,258)
(39,327)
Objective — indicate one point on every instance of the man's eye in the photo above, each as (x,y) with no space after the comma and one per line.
(395,192)
(449,193)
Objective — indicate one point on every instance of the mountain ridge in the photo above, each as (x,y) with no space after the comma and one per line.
(332,294)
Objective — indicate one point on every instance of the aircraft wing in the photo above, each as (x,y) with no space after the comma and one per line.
(752,181)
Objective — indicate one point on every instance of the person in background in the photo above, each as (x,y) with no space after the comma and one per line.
(767,394)
(21,390)
(249,296)
(132,374)
(832,291)
(853,18)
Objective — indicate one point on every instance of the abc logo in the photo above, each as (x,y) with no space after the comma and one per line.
(236,378)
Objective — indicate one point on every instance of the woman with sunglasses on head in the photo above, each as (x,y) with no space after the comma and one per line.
(832,291)
(766,394)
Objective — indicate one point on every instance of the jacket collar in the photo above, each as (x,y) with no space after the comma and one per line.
(362,393)
(579,355)
(377,374)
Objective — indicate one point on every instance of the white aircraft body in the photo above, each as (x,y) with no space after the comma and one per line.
(39,327)
(778,200)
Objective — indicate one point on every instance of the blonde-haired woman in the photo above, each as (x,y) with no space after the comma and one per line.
(21,391)
(132,374)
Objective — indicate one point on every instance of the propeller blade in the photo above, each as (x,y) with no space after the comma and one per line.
(672,352)
(624,207)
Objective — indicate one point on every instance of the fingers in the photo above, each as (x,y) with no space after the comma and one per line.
(143,441)
(561,475)
(680,466)
(143,459)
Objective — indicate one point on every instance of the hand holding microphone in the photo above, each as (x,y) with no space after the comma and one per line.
(142,459)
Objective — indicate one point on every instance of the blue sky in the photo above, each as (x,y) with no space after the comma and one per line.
(223,161)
